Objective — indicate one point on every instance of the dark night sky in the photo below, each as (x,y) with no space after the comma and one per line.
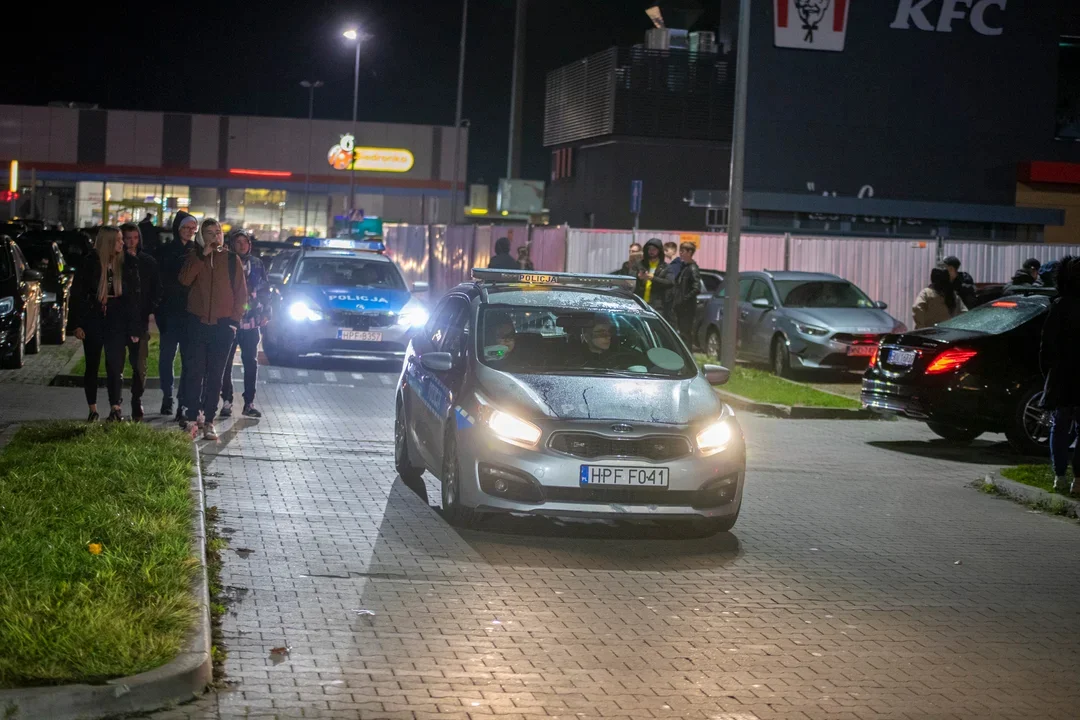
(248,58)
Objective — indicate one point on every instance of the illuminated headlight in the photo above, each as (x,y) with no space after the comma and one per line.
(413,315)
(48,297)
(508,428)
(715,438)
(302,311)
(7,304)
(811,330)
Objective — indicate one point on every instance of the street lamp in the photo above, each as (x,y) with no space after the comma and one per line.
(457,111)
(353,34)
(310,85)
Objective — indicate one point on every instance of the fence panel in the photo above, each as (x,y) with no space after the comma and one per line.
(596,251)
(407,245)
(997,263)
(547,248)
(451,255)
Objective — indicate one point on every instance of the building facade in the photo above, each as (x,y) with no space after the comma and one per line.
(275,176)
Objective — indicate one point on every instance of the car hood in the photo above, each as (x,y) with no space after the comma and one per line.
(855,320)
(354,299)
(565,397)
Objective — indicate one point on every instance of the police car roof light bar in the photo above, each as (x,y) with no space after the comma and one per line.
(344,244)
(528,277)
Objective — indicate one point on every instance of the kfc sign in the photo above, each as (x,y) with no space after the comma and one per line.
(811,24)
(912,14)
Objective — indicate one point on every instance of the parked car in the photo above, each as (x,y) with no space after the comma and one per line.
(74,245)
(795,320)
(44,256)
(973,374)
(20,306)
(711,281)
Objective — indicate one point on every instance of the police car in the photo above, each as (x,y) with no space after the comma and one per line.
(565,395)
(341,298)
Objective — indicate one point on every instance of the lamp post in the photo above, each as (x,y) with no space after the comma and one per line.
(354,35)
(310,85)
(457,112)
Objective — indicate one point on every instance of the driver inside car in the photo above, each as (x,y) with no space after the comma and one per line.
(501,339)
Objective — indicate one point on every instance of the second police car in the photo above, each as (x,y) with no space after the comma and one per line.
(341,298)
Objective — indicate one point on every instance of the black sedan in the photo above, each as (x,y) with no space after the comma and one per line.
(20,306)
(973,374)
(43,255)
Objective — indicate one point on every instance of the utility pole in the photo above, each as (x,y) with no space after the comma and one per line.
(310,85)
(454,215)
(517,93)
(735,193)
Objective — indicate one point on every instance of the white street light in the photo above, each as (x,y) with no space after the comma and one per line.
(351,34)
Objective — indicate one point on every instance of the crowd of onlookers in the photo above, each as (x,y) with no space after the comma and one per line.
(668,280)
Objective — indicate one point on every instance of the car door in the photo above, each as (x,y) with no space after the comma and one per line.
(747,286)
(448,385)
(754,322)
(425,398)
(29,290)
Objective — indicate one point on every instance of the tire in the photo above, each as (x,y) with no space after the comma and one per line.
(409,473)
(454,512)
(712,343)
(1028,431)
(781,358)
(34,346)
(14,359)
(954,434)
(58,335)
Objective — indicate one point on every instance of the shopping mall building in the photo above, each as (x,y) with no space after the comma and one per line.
(86,167)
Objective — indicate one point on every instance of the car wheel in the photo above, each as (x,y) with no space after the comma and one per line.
(34,346)
(15,358)
(454,512)
(408,472)
(1029,427)
(781,358)
(954,434)
(712,343)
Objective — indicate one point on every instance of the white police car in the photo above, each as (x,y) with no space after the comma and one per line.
(341,298)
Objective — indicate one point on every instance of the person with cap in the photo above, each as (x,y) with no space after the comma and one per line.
(962,282)
(151,238)
(256,316)
(149,297)
(1028,274)
(501,260)
(172,314)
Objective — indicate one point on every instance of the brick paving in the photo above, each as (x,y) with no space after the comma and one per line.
(864,580)
(40,369)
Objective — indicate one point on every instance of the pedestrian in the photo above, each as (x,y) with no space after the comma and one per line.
(149,297)
(1028,274)
(501,260)
(255,317)
(937,302)
(671,252)
(963,284)
(151,238)
(105,315)
(675,265)
(633,259)
(1058,358)
(1048,273)
(172,313)
(217,299)
(684,293)
(652,280)
(524,258)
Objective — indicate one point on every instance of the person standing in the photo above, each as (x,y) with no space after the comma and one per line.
(172,313)
(1058,361)
(151,238)
(685,292)
(937,302)
(633,259)
(652,280)
(671,252)
(675,265)
(105,314)
(216,303)
(963,284)
(149,297)
(501,260)
(255,317)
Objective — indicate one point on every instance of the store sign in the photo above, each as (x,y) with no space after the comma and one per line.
(346,156)
(913,14)
(810,24)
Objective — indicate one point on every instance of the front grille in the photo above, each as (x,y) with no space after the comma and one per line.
(590,446)
(856,339)
(361,321)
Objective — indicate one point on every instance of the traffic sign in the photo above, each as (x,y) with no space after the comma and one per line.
(635,196)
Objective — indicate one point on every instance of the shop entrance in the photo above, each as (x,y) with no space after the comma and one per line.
(122,211)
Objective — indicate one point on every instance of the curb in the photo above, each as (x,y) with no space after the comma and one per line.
(76,381)
(798,412)
(1032,495)
(180,680)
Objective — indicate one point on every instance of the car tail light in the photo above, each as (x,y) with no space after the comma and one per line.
(874,357)
(950,360)
(1003,303)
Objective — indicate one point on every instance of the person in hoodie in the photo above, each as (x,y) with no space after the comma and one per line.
(1025,277)
(937,302)
(1059,364)
(149,297)
(651,273)
(217,300)
(172,314)
(962,282)
(256,316)
(501,260)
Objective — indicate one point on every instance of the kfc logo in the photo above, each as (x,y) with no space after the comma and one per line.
(811,24)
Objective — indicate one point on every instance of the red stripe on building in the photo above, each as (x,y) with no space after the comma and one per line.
(781,13)
(1062,173)
(840,14)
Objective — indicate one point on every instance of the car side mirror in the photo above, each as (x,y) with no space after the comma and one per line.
(32,275)
(881,305)
(716,374)
(420,287)
(276,278)
(762,304)
(437,361)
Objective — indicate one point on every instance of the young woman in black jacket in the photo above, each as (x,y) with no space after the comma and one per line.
(1058,358)
(105,314)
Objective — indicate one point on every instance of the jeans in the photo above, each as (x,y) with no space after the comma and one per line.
(248,342)
(136,353)
(114,346)
(173,338)
(208,349)
(684,323)
(1061,436)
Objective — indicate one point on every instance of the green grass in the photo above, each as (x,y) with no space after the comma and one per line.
(1040,476)
(67,615)
(151,362)
(762,386)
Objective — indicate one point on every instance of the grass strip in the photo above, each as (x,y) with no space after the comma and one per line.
(96,556)
(1040,476)
(764,387)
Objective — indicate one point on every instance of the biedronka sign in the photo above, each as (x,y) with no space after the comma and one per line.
(368,159)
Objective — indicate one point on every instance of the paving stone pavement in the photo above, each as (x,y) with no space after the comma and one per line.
(864,580)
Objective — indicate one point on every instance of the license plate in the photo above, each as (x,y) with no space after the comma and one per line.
(360,335)
(861,350)
(624,476)
(901,357)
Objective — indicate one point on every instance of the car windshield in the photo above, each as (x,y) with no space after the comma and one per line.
(572,341)
(348,272)
(997,317)
(821,294)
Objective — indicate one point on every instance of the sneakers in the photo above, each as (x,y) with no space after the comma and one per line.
(201,421)
(251,411)
(209,433)
(180,415)
(226,409)
(166,406)
(93,417)
(1061,484)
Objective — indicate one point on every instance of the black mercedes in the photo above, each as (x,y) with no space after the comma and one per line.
(973,374)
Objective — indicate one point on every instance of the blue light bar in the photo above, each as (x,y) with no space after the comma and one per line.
(529,277)
(344,244)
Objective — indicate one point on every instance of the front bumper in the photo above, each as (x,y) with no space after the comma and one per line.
(548,482)
(323,339)
(827,353)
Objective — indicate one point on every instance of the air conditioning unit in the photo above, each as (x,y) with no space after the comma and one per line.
(703,42)
(667,39)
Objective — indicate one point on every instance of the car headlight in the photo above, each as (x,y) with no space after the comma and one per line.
(508,428)
(302,311)
(715,438)
(7,304)
(413,315)
(811,330)
(48,297)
